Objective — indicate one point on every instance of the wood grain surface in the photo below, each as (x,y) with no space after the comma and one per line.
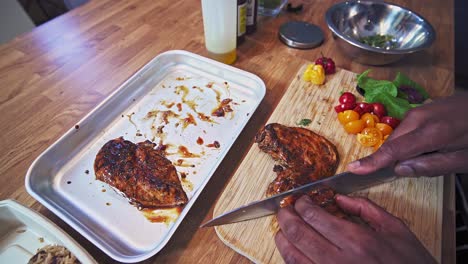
(53,76)
(418,202)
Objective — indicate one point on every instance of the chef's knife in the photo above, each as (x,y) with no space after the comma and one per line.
(343,183)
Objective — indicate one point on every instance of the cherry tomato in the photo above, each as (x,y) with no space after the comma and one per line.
(369,136)
(347,97)
(372,131)
(347,116)
(370,119)
(379,110)
(354,127)
(342,107)
(378,145)
(384,128)
(327,63)
(391,121)
(359,110)
(367,108)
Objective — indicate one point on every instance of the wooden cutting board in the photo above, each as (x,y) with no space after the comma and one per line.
(418,202)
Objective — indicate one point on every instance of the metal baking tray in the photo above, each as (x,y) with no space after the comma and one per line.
(62,177)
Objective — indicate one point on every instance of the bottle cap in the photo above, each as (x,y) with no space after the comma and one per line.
(300,35)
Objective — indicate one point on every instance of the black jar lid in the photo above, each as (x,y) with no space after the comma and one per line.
(300,35)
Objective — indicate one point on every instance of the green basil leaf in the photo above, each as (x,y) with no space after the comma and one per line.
(362,78)
(375,87)
(304,122)
(402,79)
(396,107)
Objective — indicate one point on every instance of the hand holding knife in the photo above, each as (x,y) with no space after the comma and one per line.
(343,183)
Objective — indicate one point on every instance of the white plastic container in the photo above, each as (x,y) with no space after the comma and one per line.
(23,232)
(219,22)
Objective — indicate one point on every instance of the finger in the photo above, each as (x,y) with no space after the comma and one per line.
(304,237)
(404,147)
(434,164)
(328,225)
(374,215)
(457,144)
(288,251)
(405,127)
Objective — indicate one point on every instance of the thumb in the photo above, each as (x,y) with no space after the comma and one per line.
(374,215)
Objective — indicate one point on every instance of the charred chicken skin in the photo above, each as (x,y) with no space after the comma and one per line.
(144,175)
(303,157)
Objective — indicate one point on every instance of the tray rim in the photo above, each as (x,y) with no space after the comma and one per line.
(168,236)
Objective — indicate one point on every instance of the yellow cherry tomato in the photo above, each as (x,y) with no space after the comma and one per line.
(315,74)
(369,137)
(347,116)
(354,127)
(384,128)
(370,119)
(378,145)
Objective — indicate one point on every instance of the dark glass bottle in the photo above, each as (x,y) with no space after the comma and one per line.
(241,20)
(252,6)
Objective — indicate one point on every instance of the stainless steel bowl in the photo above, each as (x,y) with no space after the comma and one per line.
(353,20)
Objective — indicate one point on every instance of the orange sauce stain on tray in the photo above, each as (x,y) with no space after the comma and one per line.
(166,104)
(215,144)
(182,89)
(188,185)
(200,141)
(165,216)
(184,152)
(197,88)
(223,108)
(205,118)
(182,163)
(165,115)
(189,120)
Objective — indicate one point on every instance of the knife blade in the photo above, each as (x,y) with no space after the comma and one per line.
(343,183)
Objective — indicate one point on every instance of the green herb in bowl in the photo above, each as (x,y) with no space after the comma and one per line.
(380,41)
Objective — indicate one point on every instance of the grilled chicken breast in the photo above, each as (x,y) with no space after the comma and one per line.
(299,149)
(303,157)
(144,175)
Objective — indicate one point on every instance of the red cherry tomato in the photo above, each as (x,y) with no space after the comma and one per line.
(319,61)
(347,97)
(327,63)
(391,121)
(379,110)
(367,108)
(343,107)
(359,110)
(330,66)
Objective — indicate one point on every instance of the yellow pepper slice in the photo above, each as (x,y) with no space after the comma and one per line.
(315,74)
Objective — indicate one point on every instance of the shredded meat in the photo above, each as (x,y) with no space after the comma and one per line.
(142,173)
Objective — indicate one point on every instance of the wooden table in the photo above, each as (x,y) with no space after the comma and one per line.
(50,78)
